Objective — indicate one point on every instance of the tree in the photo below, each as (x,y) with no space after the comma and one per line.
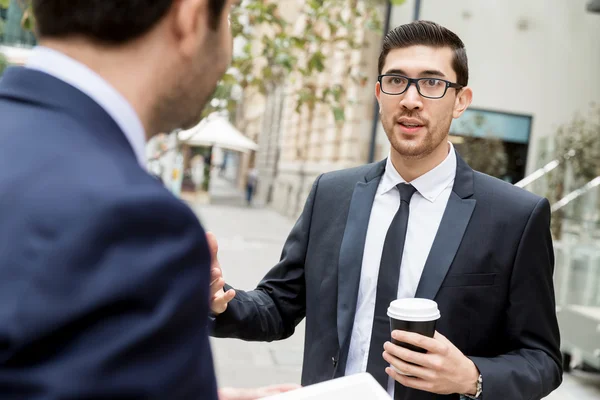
(577,147)
(27,20)
(3,63)
(265,34)
(273,53)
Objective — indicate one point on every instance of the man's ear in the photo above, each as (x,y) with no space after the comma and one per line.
(462,102)
(378,94)
(188,23)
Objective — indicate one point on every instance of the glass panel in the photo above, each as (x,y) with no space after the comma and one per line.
(577,274)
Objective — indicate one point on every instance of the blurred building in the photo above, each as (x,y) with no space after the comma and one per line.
(533,65)
(296,147)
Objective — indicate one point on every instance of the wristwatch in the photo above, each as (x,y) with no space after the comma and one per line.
(479,389)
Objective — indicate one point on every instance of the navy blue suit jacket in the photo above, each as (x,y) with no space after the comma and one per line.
(104,275)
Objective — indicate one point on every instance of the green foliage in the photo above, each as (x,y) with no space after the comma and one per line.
(27,21)
(3,63)
(577,146)
(581,135)
(283,56)
(269,37)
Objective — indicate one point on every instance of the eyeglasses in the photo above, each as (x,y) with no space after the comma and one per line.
(431,88)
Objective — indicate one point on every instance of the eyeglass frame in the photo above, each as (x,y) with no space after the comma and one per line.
(415,81)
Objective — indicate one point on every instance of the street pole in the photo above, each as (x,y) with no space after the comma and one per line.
(417,11)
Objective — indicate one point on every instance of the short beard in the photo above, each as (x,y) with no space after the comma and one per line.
(182,106)
(423,148)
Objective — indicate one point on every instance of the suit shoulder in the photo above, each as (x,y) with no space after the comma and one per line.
(102,202)
(498,191)
(348,175)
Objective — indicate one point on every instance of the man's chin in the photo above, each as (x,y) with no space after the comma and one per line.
(191,123)
(412,150)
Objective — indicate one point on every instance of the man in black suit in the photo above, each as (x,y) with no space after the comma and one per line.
(421,224)
(104,274)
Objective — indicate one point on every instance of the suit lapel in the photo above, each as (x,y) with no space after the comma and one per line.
(450,233)
(352,249)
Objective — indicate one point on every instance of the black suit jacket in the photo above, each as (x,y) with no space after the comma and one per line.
(489,269)
(104,274)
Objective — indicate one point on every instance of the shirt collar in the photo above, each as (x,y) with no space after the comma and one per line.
(93,85)
(429,185)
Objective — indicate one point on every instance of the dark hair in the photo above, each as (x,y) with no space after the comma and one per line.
(109,21)
(427,33)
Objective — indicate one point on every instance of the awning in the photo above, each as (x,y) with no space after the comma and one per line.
(219,132)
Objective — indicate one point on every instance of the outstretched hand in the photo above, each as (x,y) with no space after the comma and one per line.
(218,297)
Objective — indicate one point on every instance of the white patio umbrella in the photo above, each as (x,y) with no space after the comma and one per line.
(219,132)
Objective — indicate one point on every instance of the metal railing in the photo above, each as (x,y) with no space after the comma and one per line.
(575,194)
(541,172)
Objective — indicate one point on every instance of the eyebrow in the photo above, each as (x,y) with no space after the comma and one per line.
(429,72)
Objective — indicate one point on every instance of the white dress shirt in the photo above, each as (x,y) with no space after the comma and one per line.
(94,86)
(426,209)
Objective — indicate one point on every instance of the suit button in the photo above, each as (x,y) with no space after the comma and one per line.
(334,361)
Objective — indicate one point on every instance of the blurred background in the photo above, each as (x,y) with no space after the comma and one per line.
(299,100)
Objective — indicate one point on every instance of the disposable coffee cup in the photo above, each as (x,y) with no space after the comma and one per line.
(413,315)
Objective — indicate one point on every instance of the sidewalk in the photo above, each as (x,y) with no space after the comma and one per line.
(250,241)
(224,192)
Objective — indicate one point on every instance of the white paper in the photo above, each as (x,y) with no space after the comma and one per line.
(354,387)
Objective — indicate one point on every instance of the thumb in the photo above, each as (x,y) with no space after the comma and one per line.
(229,295)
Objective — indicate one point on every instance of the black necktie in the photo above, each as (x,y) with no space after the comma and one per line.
(387,285)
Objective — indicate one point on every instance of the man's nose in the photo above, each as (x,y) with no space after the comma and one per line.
(411,99)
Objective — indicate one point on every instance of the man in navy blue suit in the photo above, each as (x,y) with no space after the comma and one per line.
(104,275)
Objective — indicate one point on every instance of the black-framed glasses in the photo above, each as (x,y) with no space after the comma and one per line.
(431,88)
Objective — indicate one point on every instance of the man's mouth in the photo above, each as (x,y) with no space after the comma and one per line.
(410,125)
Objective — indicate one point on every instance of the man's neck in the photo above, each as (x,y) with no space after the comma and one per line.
(412,168)
(117,66)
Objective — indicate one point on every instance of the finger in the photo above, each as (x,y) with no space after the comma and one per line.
(408,381)
(218,305)
(229,295)
(213,245)
(215,275)
(406,368)
(429,344)
(216,287)
(220,301)
(407,355)
(440,338)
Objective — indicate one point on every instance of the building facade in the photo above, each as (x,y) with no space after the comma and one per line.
(534,58)
(296,147)
(533,66)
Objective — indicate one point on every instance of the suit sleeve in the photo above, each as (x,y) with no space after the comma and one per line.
(533,368)
(278,304)
(117,306)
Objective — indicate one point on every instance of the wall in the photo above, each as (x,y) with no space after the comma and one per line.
(535,57)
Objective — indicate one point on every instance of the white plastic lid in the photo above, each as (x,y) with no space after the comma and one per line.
(414,310)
